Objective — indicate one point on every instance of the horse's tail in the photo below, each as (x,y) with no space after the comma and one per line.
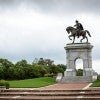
(88,33)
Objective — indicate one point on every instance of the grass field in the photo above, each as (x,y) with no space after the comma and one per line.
(39,82)
(96,83)
(32,83)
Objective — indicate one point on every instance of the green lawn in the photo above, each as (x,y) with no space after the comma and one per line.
(32,83)
(96,83)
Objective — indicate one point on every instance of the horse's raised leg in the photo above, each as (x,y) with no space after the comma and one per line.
(69,37)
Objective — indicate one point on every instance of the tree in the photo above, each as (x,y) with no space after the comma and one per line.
(79,72)
(62,67)
(6,65)
(35,62)
(40,70)
(22,63)
(41,61)
(1,72)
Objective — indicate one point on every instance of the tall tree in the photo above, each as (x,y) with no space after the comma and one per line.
(6,65)
(22,63)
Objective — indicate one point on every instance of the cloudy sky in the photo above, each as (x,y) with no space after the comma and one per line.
(36,28)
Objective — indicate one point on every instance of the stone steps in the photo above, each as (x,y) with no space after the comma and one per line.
(51,94)
(50,98)
(49,90)
(38,94)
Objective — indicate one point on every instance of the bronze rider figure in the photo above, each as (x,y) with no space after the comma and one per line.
(79,28)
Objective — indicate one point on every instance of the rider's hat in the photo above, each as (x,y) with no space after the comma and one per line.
(76,21)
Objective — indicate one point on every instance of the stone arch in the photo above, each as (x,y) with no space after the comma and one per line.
(79,66)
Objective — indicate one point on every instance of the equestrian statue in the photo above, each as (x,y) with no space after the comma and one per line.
(77,31)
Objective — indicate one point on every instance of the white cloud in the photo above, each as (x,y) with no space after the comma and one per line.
(24,31)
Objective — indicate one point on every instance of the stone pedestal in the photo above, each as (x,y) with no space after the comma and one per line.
(74,52)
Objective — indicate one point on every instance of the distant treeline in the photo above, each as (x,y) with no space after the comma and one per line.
(23,70)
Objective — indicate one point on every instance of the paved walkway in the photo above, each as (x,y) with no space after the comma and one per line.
(66,86)
(60,86)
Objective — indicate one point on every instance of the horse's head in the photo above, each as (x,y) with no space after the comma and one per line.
(69,29)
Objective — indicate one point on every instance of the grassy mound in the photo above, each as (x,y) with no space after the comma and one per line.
(96,83)
(32,83)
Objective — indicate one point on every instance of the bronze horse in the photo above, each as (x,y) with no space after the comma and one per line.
(74,34)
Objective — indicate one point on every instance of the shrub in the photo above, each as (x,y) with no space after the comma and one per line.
(7,85)
(49,75)
(4,83)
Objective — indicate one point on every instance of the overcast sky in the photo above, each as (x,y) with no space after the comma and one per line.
(36,28)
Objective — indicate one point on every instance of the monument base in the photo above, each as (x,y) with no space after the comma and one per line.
(78,51)
(74,79)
